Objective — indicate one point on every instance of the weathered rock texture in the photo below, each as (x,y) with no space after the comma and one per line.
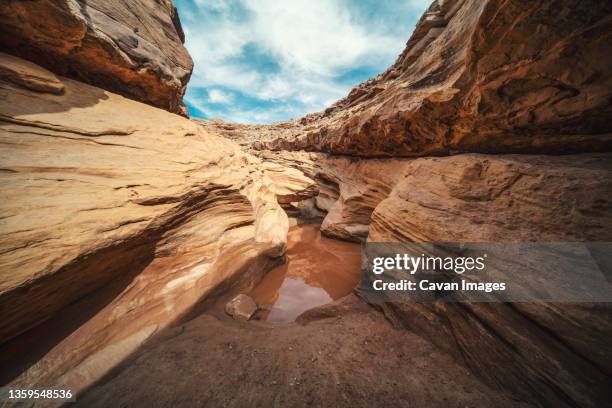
(485,198)
(242,307)
(163,213)
(545,353)
(348,189)
(133,48)
(558,353)
(101,190)
(478,76)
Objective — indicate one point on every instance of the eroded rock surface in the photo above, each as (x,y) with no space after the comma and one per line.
(476,76)
(124,219)
(558,352)
(133,48)
(101,190)
(485,198)
(539,351)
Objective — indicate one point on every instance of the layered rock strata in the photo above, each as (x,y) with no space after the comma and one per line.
(477,76)
(121,218)
(542,352)
(134,48)
(552,352)
(104,192)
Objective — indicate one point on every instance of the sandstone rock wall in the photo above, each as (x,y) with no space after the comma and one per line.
(103,192)
(478,76)
(133,48)
(551,352)
(546,353)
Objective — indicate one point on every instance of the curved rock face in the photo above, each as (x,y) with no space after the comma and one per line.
(485,198)
(103,192)
(119,219)
(133,48)
(556,352)
(479,76)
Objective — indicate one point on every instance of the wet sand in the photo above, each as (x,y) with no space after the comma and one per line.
(319,270)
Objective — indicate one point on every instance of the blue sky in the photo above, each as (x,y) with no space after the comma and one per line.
(260,61)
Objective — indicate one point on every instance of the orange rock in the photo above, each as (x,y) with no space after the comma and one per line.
(242,307)
(108,199)
(476,76)
(133,48)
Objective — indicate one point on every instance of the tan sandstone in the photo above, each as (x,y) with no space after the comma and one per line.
(101,191)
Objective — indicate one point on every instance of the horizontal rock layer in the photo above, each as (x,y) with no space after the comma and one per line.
(104,192)
(553,352)
(538,351)
(133,48)
(476,76)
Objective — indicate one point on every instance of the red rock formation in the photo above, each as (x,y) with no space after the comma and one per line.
(107,192)
(479,76)
(555,353)
(133,48)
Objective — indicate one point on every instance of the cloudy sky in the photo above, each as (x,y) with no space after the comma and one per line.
(259,61)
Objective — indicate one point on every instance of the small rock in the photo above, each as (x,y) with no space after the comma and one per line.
(241,307)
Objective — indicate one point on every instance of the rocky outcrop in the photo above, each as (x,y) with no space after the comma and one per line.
(121,219)
(485,198)
(478,76)
(348,189)
(133,48)
(556,353)
(118,219)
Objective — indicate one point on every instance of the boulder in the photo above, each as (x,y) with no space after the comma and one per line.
(134,48)
(242,307)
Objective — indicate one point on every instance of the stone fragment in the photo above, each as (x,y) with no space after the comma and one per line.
(242,307)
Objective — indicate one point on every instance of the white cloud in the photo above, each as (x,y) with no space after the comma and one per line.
(312,42)
(313,36)
(218,96)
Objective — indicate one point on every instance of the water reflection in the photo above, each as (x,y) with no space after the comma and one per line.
(319,270)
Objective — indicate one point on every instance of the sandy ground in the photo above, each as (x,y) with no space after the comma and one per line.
(341,354)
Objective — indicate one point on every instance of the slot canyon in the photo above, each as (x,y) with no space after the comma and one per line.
(126,226)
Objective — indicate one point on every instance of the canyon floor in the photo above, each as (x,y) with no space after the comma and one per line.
(342,354)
